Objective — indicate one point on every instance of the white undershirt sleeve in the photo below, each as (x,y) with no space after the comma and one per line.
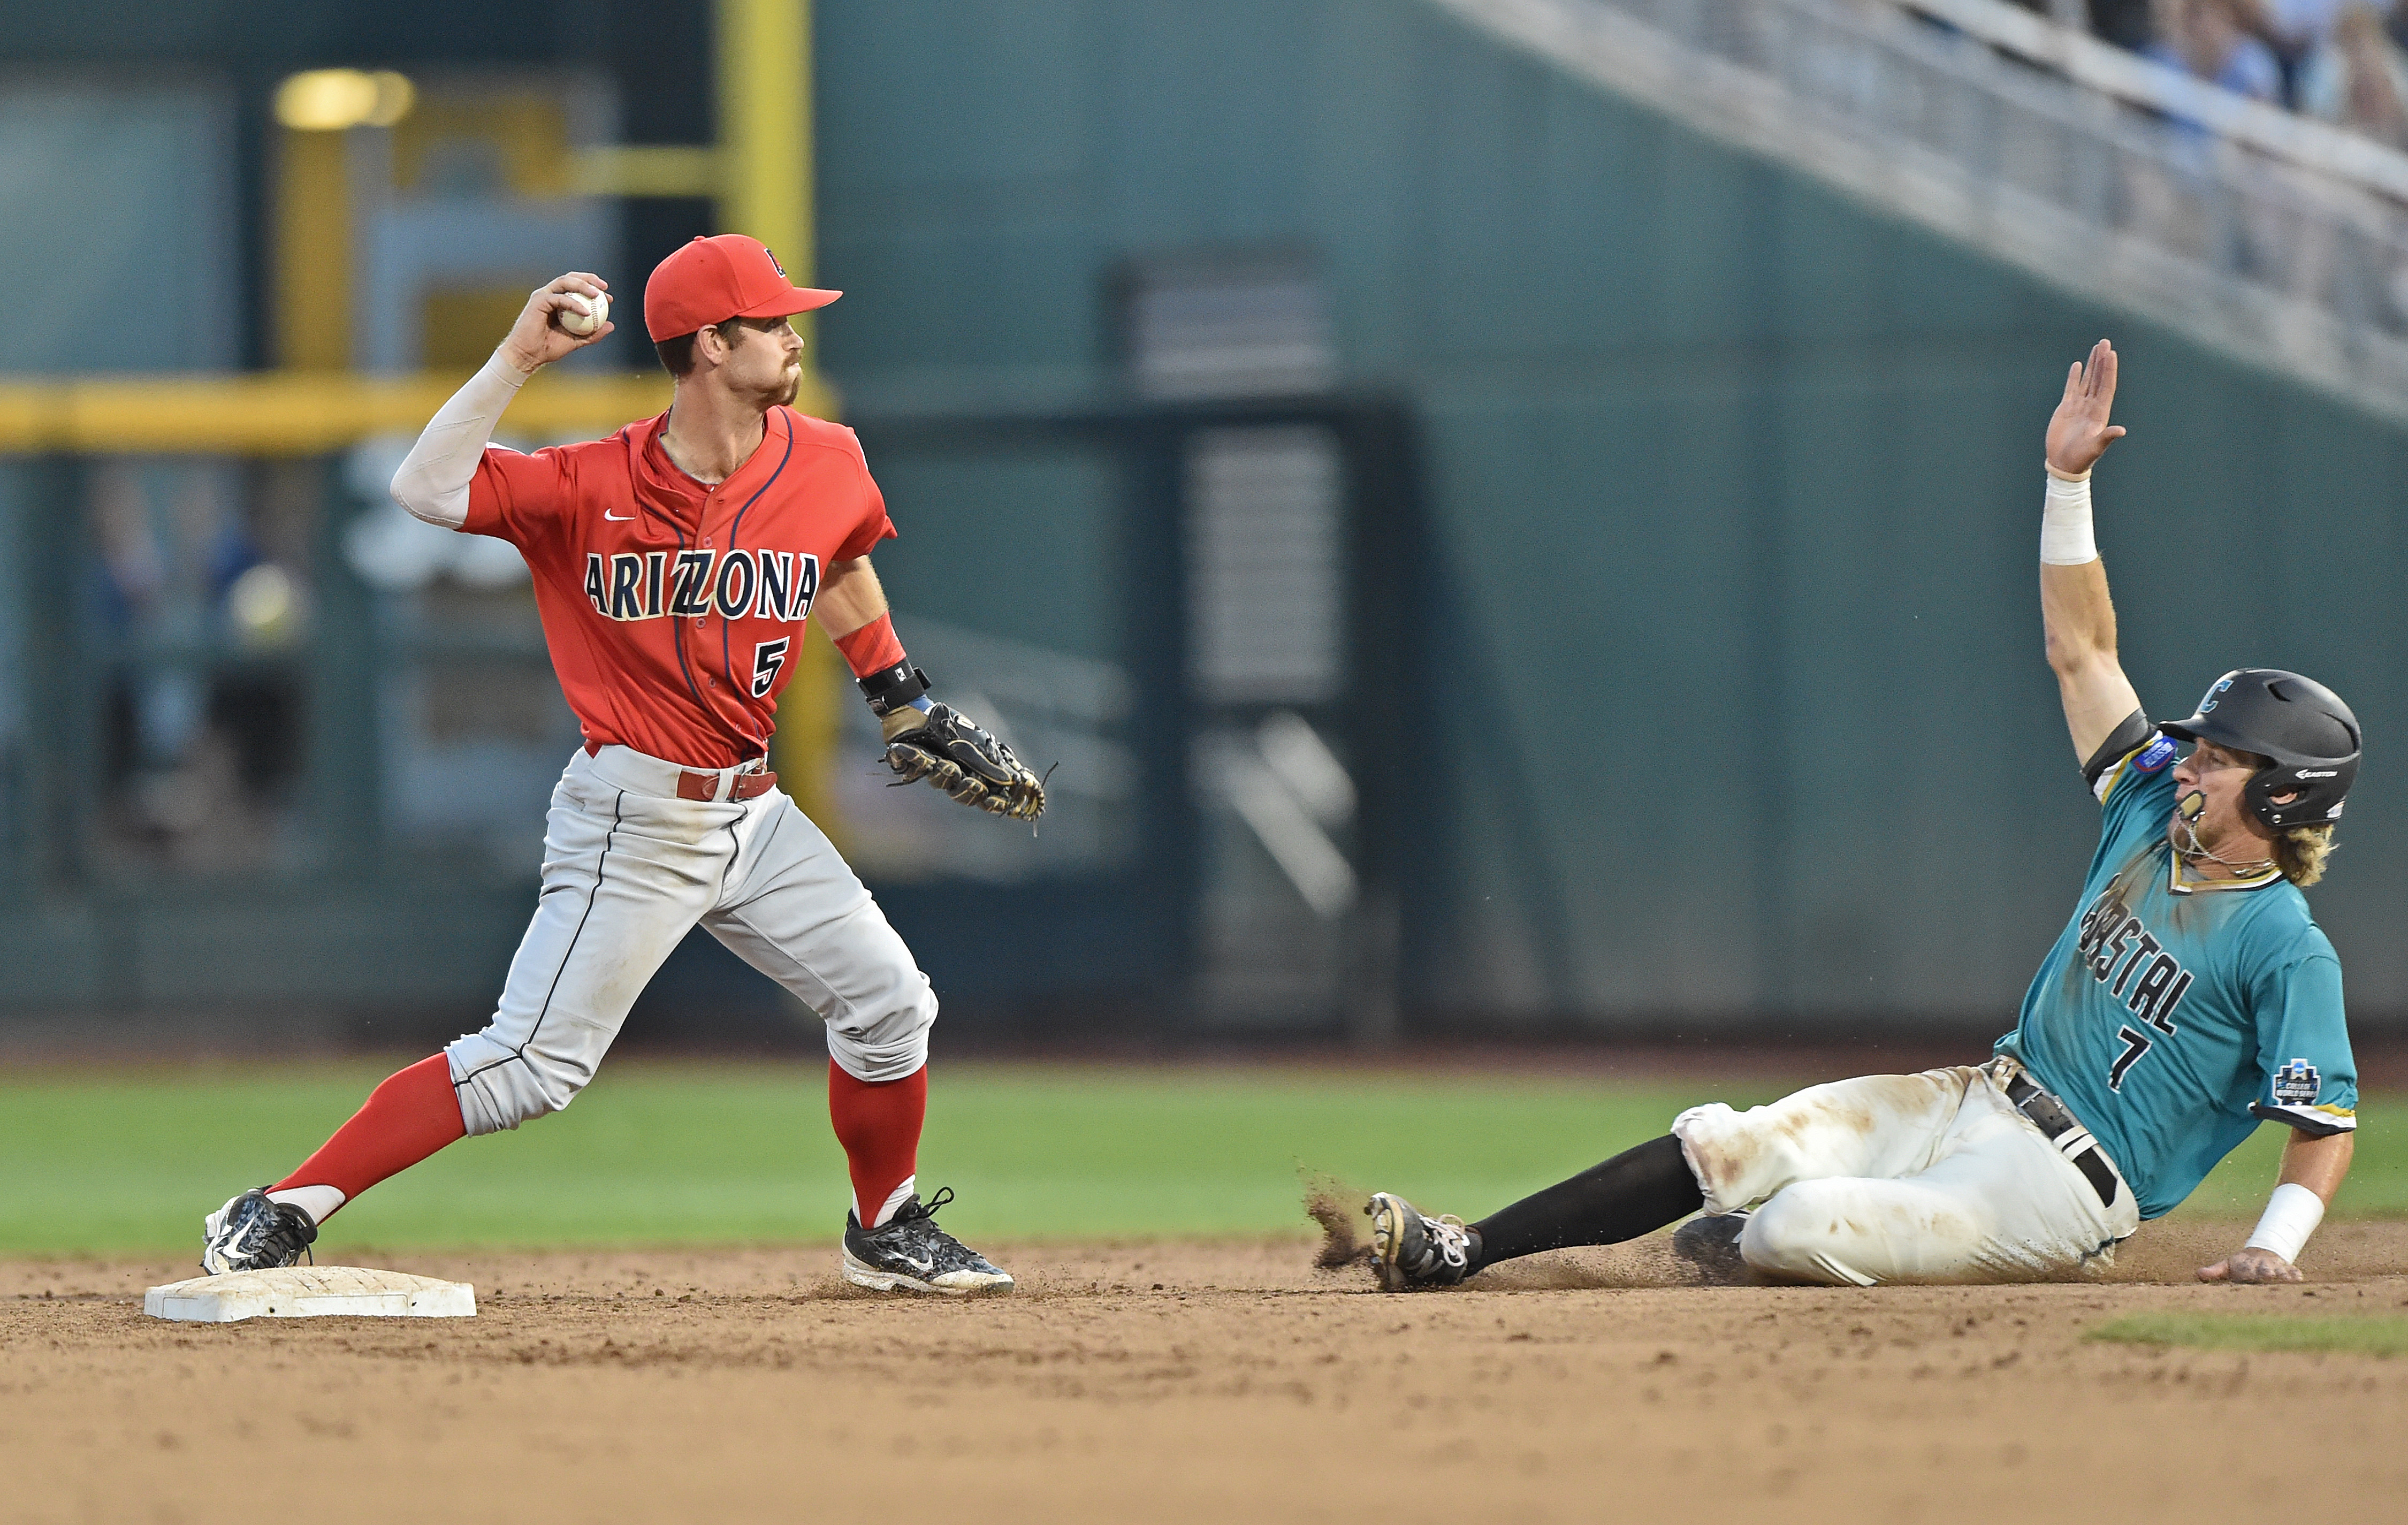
(433,482)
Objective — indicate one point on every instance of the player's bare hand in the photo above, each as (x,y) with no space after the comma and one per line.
(538,338)
(2251,1267)
(2078,431)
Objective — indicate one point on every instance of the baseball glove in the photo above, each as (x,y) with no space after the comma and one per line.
(938,744)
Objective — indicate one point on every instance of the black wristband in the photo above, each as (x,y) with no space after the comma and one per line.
(891,688)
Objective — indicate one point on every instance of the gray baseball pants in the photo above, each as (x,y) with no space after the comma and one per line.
(628,869)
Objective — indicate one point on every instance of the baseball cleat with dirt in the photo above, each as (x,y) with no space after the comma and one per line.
(1412,1251)
(251,1234)
(1710,1242)
(909,1253)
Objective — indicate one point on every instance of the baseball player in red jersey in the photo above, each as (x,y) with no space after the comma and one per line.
(675,564)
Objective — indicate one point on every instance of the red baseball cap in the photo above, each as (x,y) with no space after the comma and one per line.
(712,280)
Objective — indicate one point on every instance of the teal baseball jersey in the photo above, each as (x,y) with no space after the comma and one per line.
(2173,1014)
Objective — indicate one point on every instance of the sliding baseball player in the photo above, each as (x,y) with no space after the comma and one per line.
(2190,997)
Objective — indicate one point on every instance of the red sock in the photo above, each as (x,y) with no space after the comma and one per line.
(878,1122)
(412,1114)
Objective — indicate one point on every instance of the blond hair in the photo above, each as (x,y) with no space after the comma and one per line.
(2302,851)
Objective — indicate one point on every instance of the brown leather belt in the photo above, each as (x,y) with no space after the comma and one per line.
(694,785)
(2054,1119)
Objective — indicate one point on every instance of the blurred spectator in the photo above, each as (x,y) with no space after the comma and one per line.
(2124,22)
(194,644)
(2358,78)
(2210,39)
(2293,27)
(2296,30)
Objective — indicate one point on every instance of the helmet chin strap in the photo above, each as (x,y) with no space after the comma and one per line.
(2187,810)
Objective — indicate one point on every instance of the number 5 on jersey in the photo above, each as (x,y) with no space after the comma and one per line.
(768,657)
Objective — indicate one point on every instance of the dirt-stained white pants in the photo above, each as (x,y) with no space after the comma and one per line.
(1931,1177)
(628,871)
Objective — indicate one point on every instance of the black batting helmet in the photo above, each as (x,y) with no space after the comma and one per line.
(2299,723)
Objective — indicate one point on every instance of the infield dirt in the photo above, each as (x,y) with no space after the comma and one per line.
(1192,1381)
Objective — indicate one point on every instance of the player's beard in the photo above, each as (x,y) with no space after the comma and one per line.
(782,392)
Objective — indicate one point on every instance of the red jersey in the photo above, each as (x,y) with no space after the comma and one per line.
(674,611)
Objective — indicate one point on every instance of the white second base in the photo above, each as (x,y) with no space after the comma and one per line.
(310,1293)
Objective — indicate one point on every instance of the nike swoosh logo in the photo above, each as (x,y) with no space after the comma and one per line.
(617,518)
(916,1263)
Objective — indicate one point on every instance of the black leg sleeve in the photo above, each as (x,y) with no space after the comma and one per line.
(1636,1191)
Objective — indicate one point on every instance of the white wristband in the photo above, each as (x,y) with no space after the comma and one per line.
(2291,1216)
(2065,538)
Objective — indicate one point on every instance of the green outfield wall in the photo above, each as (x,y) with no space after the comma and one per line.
(1738,715)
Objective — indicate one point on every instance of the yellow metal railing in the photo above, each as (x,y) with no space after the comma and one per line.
(646,170)
(765,158)
(283,413)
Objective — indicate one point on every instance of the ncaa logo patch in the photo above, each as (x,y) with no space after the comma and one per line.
(2156,755)
(2297,1084)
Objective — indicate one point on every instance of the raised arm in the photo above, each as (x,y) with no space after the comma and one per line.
(433,482)
(2076,614)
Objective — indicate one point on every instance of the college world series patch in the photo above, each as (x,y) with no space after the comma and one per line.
(2297,1084)
(2156,755)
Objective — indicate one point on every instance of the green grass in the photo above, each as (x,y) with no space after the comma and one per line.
(732,1153)
(2386,1336)
(2378,1174)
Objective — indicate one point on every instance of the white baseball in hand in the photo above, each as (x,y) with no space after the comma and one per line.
(583,323)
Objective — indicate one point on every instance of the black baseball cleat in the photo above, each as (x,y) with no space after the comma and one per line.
(1412,1251)
(1710,1242)
(909,1253)
(251,1234)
